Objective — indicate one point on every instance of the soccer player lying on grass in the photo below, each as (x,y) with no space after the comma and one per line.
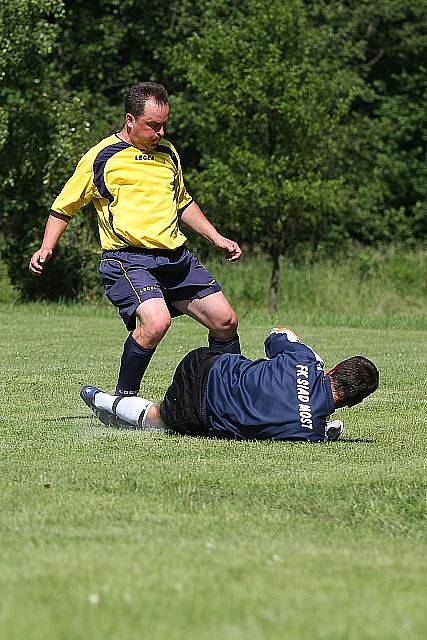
(285,397)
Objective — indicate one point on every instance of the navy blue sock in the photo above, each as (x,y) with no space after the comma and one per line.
(135,360)
(231,345)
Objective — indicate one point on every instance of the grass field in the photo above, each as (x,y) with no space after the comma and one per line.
(126,535)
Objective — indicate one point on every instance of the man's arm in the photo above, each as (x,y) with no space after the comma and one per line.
(194,218)
(282,340)
(54,229)
(77,192)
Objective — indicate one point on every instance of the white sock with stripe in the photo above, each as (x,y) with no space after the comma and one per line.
(104,401)
(132,410)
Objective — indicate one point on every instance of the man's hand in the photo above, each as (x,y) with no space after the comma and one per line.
(194,218)
(38,260)
(54,228)
(229,247)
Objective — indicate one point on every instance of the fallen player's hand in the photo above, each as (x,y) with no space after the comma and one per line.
(291,335)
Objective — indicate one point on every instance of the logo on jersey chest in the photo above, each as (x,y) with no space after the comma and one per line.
(144,156)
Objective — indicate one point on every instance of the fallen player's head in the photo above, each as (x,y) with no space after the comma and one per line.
(352,380)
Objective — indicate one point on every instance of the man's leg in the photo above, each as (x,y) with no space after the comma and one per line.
(117,411)
(154,321)
(139,412)
(153,420)
(133,289)
(214,312)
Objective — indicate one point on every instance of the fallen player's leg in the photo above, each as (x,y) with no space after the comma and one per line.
(118,411)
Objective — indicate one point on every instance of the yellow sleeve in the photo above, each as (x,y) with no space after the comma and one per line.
(184,198)
(78,191)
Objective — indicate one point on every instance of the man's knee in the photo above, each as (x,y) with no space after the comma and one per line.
(226,325)
(152,330)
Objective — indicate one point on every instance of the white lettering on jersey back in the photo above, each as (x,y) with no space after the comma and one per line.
(303,395)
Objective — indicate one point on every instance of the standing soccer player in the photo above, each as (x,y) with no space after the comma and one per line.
(134,179)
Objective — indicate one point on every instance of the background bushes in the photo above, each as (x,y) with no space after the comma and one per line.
(302,125)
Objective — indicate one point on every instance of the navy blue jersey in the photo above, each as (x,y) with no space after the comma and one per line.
(287,397)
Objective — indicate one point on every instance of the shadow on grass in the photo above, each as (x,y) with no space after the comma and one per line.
(356,440)
(93,420)
(121,428)
(67,418)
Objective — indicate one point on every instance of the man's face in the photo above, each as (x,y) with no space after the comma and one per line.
(146,131)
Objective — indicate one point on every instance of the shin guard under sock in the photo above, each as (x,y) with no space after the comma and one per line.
(134,362)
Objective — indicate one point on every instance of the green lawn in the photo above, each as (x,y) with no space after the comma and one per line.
(123,535)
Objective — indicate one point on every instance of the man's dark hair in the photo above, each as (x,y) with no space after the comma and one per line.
(140,93)
(353,379)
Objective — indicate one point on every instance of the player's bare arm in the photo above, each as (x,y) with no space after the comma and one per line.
(54,229)
(196,220)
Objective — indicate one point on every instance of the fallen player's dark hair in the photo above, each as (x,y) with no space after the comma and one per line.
(354,379)
(140,93)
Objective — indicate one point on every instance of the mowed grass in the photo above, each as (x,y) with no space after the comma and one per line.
(110,534)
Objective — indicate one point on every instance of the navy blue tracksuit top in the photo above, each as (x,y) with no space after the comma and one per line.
(287,397)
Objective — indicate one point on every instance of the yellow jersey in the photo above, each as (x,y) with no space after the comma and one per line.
(138,195)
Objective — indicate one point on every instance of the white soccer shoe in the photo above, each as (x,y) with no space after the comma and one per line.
(334,429)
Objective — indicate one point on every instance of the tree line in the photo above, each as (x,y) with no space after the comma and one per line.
(301,124)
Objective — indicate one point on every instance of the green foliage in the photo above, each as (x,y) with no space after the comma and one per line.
(28,31)
(359,287)
(301,124)
(62,108)
(385,156)
(363,287)
(44,127)
(267,90)
(36,172)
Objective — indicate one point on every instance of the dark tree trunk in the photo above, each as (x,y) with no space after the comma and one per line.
(274,282)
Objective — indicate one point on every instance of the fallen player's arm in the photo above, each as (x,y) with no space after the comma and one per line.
(282,340)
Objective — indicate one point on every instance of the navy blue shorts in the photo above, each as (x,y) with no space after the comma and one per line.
(131,276)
